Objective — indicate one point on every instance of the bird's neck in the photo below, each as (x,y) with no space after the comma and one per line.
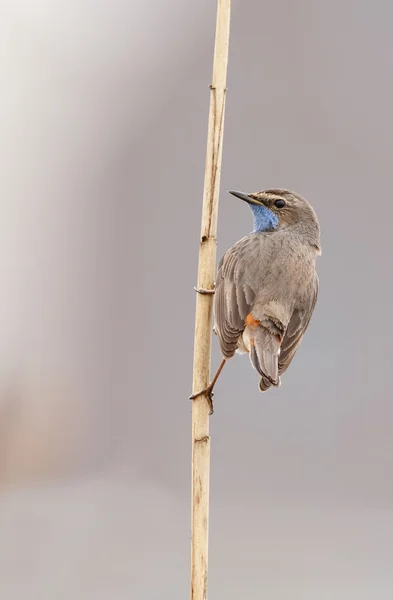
(310,232)
(264,219)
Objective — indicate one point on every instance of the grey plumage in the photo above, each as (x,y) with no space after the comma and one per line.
(267,285)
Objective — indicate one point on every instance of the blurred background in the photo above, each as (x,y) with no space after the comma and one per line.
(103,133)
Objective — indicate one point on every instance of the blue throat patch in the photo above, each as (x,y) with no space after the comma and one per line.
(264,219)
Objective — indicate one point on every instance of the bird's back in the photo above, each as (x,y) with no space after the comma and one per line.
(266,291)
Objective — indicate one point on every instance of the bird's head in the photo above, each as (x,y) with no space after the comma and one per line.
(276,209)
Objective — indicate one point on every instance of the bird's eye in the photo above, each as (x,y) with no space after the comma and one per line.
(280,203)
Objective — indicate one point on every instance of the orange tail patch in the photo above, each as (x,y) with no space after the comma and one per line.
(249,321)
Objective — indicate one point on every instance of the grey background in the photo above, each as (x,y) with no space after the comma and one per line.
(103,134)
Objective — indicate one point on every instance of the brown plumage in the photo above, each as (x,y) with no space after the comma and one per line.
(267,285)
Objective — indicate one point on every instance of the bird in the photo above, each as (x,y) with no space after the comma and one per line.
(267,286)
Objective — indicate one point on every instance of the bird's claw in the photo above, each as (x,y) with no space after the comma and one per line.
(206,391)
(204,292)
(209,393)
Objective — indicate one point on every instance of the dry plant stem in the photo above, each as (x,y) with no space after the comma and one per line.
(204,305)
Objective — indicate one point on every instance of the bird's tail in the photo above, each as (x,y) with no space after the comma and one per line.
(265,383)
(264,353)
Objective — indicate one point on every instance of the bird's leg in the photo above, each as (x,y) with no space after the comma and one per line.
(209,390)
(204,292)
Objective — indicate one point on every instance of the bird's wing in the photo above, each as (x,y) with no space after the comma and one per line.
(235,295)
(296,329)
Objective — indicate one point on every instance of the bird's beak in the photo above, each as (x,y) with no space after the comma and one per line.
(246,197)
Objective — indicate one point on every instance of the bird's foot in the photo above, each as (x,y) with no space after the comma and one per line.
(204,292)
(209,394)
